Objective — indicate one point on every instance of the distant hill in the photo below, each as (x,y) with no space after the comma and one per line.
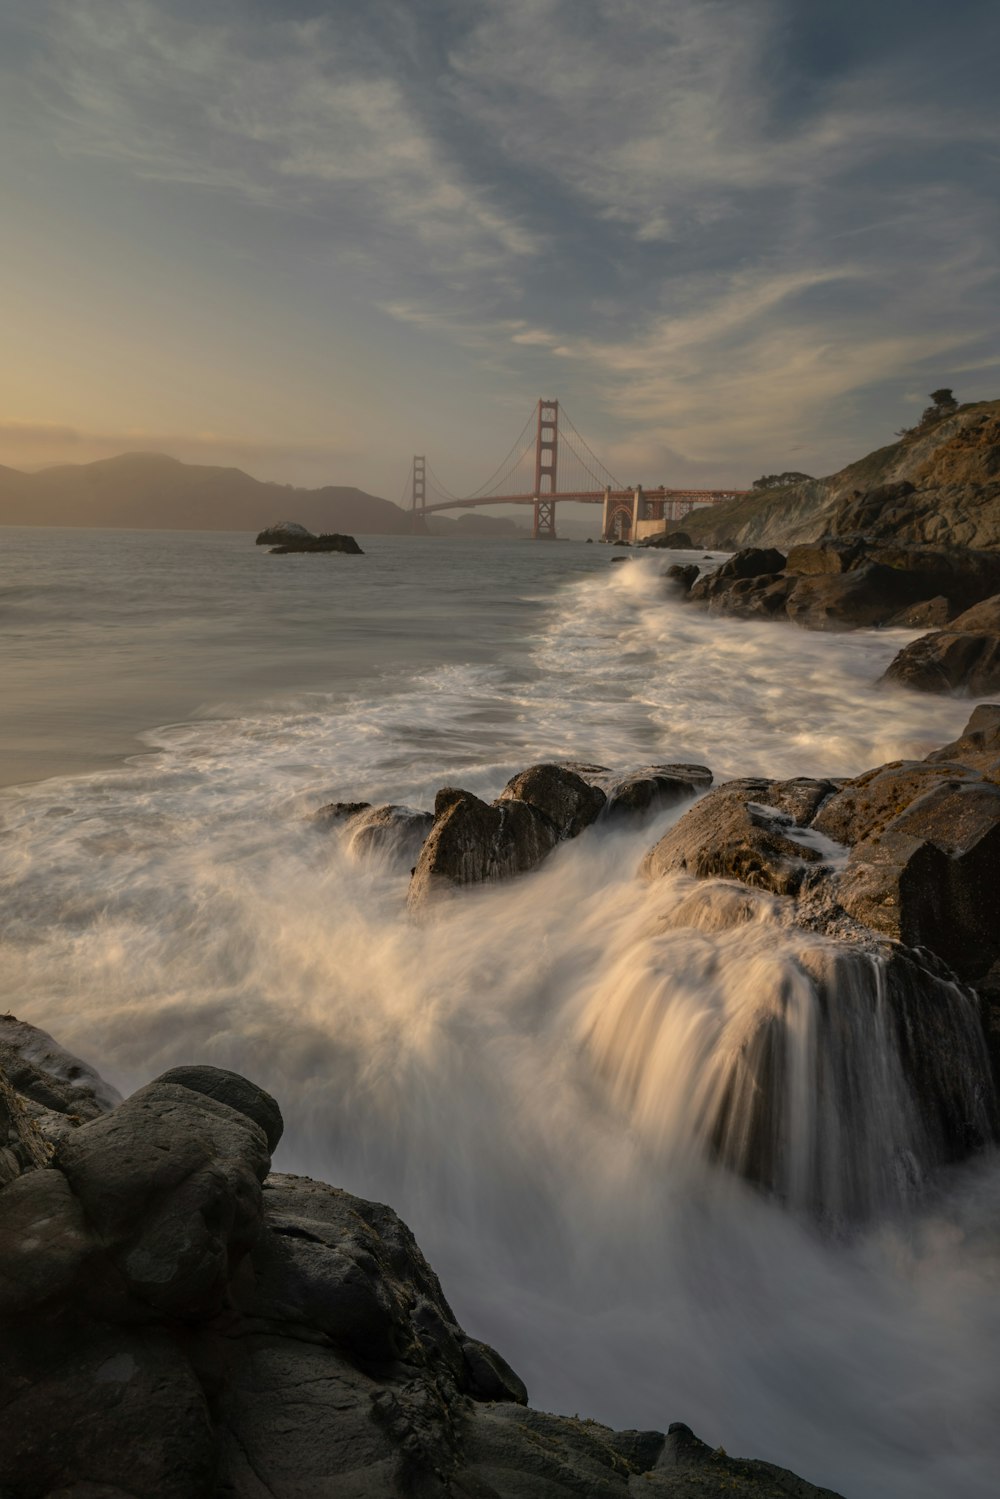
(155,492)
(953,465)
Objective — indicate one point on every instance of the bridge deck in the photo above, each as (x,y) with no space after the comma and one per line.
(592,497)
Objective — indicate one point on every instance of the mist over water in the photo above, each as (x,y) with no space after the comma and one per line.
(524,1077)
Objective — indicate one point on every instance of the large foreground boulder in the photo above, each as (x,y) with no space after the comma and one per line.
(172,1329)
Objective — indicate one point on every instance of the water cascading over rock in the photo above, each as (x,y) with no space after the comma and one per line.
(831,1075)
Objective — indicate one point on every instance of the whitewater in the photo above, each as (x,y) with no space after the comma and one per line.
(518,1076)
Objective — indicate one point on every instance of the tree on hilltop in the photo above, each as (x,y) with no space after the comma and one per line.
(776,481)
(944,404)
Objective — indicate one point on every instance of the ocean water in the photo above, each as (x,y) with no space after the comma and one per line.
(522,1076)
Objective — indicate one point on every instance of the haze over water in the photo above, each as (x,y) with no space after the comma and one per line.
(515,1075)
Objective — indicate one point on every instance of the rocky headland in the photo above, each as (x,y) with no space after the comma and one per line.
(909,537)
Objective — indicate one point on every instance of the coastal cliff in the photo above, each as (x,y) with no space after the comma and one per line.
(953,465)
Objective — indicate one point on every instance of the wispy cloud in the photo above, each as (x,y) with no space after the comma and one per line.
(719,225)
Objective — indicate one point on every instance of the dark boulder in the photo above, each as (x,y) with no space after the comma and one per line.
(682,578)
(965,657)
(678,541)
(472,842)
(329,542)
(234,1091)
(327,1361)
(745,830)
(948,661)
(869,594)
(337,813)
(828,555)
(564,797)
(930,876)
(928,615)
(389,831)
(173,1178)
(654,787)
(751,563)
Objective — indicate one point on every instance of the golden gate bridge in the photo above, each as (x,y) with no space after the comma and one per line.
(551,462)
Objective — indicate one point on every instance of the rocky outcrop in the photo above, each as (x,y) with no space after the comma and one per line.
(176,1323)
(288,536)
(653,787)
(473,842)
(748,830)
(963,658)
(938,487)
(849,583)
(918,861)
(388,831)
(284,533)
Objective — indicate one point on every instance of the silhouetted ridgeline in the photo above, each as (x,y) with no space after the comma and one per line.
(151,491)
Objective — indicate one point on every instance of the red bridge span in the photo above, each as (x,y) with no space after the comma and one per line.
(550,462)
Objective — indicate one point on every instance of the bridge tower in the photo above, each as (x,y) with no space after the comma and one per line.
(546,458)
(418,496)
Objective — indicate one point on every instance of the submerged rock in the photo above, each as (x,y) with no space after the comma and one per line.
(172,1329)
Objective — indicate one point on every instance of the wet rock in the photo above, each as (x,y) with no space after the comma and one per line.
(930,875)
(862,807)
(928,615)
(173,1177)
(745,830)
(654,787)
(234,1091)
(566,799)
(948,662)
(828,555)
(393,831)
(870,594)
(317,1355)
(963,658)
(749,564)
(682,578)
(978,746)
(472,842)
(57,1090)
(337,813)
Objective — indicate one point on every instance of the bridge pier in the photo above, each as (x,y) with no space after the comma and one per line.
(544,528)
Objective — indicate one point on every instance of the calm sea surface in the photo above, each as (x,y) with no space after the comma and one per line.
(519,1075)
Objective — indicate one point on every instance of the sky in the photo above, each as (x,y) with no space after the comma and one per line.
(313,237)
